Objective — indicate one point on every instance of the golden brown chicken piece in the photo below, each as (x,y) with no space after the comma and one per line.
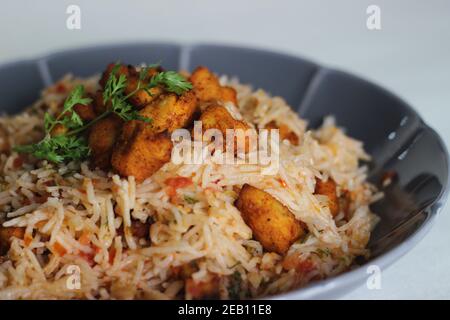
(142,97)
(140,152)
(229,94)
(328,188)
(102,138)
(6,235)
(345,202)
(218,117)
(207,87)
(171,112)
(271,222)
(284,131)
(86,112)
(99,106)
(143,148)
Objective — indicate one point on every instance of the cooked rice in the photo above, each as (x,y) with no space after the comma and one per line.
(73,215)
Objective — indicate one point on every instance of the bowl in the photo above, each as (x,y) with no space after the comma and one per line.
(393,133)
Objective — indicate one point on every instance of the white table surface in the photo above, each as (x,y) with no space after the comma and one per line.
(410,55)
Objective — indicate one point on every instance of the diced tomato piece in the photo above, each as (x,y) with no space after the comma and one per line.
(41,199)
(112,254)
(50,183)
(60,88)
(301,266)
(84,238)
(203,289)
(59,249)
(282,182)
(174,184)
(178,182)
(305,266)
(18,162)
(27,239)
(89,257)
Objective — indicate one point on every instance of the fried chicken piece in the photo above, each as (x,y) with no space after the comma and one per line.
(142,97)
(86,112)
(218,117)
(271,222)
(171,112)
(207,87)
(99,106)
(328,188)
(102,138)
(139,151)
(284,131)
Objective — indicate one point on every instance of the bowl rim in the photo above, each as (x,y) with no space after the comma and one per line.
(352,278)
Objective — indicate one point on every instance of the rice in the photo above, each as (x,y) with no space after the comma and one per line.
(78,218)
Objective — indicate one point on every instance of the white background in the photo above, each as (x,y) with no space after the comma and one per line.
(410,55)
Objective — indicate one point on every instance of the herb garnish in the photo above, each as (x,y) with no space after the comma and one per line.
(173,81)
(67,145)
(322,252)
(234,287)
(190,200)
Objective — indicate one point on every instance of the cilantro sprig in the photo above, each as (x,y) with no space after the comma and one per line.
(173,82)
(114,93)
(62,147)
(71,145)
(68,118)
(57,149)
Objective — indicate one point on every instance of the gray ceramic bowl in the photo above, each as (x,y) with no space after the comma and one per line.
(393,133)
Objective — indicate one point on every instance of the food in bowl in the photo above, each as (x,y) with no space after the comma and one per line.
(134,185)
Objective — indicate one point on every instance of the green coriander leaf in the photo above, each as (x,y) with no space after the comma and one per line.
(126,111)
(68,117)
(75,120)
(114,85)
(71,120)
(44,149)
(234,286)
(137,116)
(144,70)
(323,252)
(190,200)
(75,148)
(57,149)
(49,122)
(173,81)
(75,97)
